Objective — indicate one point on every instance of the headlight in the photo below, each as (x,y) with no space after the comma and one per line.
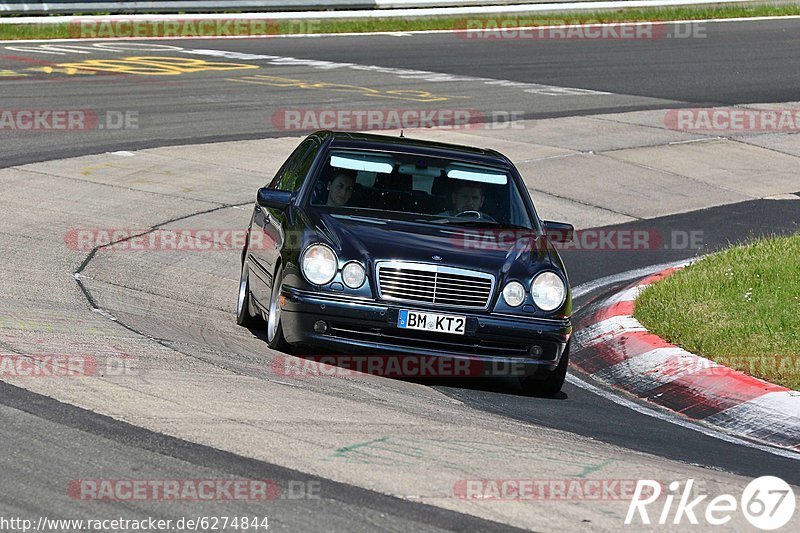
(319,264)
(548,291)
(514,293)
(353,274)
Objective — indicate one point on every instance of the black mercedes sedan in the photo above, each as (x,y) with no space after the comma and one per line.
(389,245)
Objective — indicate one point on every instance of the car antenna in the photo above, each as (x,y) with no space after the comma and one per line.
(401,134)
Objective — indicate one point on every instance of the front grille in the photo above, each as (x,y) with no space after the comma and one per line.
(434,285)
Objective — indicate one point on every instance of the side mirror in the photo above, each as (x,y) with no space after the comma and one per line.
(274,198)
(560,232)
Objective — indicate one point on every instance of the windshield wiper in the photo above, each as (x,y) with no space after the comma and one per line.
(481,222)
(473,222)
(464,221)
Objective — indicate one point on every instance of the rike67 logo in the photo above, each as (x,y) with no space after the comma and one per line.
(767,502)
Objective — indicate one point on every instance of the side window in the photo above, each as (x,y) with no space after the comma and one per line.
(298,166)
(276,180)
(302,157)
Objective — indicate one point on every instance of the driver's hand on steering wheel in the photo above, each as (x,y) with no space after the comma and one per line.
(470,213)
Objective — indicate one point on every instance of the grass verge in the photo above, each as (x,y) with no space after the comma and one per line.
(739,307)
(10,31)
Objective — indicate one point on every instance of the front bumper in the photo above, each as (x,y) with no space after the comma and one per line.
(359,325)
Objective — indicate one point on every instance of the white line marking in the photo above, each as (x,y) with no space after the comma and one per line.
(624,402)
(627,295)
(383,5)
(385,13)
(778,410)
(648,368)
(286,383)
(607,329)
(104,313)
(702,140)
(591,286)
(401,73)
(338,14)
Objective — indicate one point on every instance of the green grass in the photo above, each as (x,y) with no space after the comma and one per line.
(739,307)
(60,31)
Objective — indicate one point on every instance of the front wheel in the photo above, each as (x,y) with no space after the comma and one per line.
(547,383)
(244,307)
(275,338)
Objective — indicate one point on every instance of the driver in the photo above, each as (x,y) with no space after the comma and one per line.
(468,196)
(340,189)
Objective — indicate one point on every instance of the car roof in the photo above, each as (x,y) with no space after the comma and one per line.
(347,139)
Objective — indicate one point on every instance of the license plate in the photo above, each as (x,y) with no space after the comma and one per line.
(431,322)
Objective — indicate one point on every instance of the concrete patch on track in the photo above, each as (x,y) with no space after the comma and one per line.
(201,378)
(745,170)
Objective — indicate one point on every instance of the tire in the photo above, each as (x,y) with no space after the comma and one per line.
(547,383)
(275,338)
(244,305)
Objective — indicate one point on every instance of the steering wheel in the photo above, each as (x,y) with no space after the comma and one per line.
(475,214)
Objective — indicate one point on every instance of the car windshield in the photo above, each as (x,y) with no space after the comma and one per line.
(417,187)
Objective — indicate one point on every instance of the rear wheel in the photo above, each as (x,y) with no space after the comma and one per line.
(244,306)
(549,382)
(275,338)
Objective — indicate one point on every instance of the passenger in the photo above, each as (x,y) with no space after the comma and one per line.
(340,189)
(468,196)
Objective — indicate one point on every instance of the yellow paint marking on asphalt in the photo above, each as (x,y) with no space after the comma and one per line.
(88,171)
(10,73)
(396,94)
(154,66)
(404,94)
(69,71)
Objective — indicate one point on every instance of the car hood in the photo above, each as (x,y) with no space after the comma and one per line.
(486,249)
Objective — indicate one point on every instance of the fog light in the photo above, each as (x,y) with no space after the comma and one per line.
(320,326)
(353,274)
(535,351)
(514,293)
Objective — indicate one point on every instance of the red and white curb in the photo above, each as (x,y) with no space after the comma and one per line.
(614,348)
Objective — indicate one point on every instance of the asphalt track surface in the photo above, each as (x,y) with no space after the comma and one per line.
(582,412)
(735,63)
(725,63)
(37,427)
